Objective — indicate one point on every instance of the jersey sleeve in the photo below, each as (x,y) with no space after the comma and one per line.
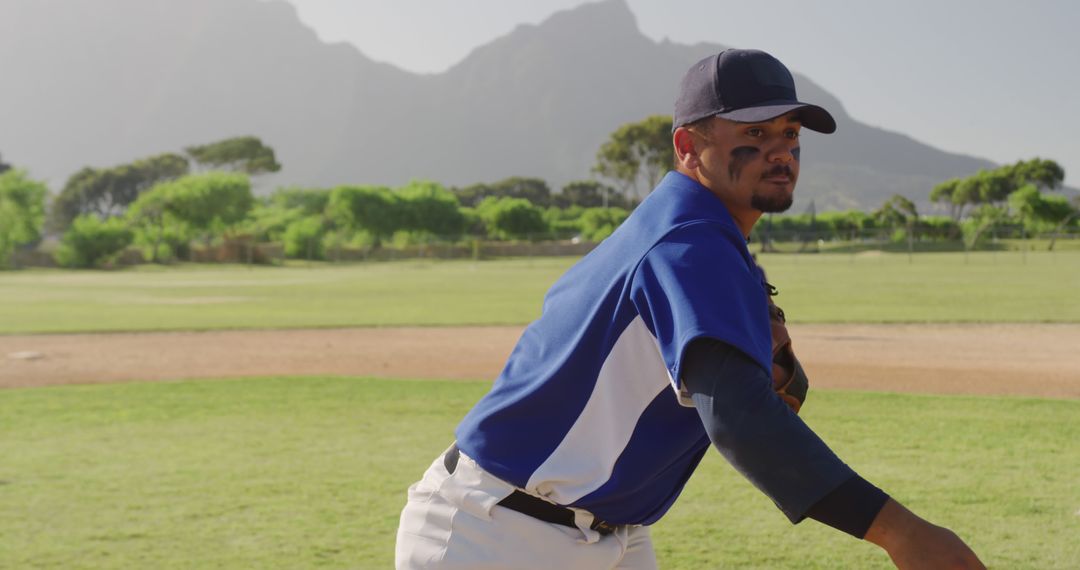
(758,433)
(700,281)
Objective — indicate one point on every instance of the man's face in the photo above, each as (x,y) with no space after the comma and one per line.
(754,165)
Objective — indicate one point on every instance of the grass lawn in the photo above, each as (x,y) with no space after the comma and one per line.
(863,287)
(929,287)
(311,473)
(200,297)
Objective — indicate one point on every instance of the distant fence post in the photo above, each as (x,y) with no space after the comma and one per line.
(1023,245)
(910,243)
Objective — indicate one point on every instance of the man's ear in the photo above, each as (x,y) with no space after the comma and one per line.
(686,152)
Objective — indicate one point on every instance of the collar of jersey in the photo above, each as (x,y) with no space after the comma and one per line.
(697,197)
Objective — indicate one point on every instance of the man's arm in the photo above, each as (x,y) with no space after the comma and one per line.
(914,543)
(766,442)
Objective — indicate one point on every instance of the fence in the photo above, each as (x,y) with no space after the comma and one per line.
(248,252)
(994,239)
(789,242)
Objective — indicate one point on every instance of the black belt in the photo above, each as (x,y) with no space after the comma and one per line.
(535,507)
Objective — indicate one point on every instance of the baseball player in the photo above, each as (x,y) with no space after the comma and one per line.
(653,346)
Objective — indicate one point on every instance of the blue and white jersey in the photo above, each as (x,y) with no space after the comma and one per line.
(588,411)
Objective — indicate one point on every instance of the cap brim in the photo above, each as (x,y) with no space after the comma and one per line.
(812,117)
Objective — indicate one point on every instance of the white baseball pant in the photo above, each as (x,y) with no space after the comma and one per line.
(453,521)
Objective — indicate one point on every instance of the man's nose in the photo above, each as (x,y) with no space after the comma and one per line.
(782,153)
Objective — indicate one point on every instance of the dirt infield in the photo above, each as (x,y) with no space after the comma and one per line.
(1030,360)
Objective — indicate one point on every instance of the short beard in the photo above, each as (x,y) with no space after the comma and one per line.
(771,204)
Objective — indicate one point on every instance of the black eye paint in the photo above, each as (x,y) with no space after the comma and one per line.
(795,152)
(740,157)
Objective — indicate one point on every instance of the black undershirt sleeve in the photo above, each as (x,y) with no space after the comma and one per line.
(770,445)
(851,507)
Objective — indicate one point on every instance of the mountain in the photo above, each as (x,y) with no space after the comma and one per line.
(104,82)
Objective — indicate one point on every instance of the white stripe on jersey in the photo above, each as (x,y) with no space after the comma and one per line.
(631,377)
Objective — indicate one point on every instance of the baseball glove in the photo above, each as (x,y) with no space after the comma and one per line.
(789,379)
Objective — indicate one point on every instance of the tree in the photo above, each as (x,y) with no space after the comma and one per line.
(637,152)
(995,186)
(429,208)
(981,220)
(147,218)
(1039,212)
(943,194)
(22,212)
(108,192)
(3,166)
(897,210)
(372,209)
(212,202)
(310,201)
(512,218)
(173,212)
(1042,173)
(471,196)
(91,241)
(160,234)
(966,193)
(900,215)
(1073,217)
(534,190)
(590,194)
(999,193)
(239,154)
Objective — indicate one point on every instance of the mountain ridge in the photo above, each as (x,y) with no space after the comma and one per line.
(131,78)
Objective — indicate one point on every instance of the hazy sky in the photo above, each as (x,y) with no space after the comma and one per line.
(992,78)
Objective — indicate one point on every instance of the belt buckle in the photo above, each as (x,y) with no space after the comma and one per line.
(604,528)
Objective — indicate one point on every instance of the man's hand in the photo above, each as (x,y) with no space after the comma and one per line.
(914,543)
(789,379)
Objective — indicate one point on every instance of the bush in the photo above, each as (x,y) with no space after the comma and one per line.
(268,220)
(373,209)
(304,238)
(512,218)
(564,221)
(22,212)
(474,224)
(164,244)
(91,242)
(598,223)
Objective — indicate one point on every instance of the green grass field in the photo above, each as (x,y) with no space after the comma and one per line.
(311,473)
(866,287)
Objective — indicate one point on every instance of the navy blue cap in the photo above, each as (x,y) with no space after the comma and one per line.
(747,86)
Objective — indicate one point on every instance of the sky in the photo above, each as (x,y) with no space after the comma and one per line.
(990,78)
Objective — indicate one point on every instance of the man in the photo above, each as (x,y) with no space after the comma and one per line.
(653,345)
